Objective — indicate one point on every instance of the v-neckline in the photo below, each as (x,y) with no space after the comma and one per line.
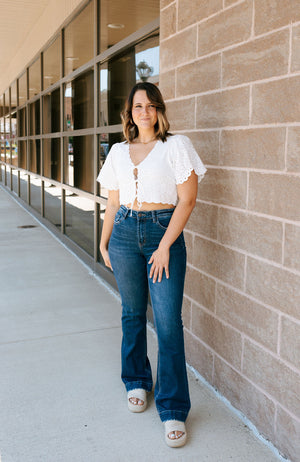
(137,165)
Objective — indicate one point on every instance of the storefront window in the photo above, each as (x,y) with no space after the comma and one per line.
(35,193)
(13,96)
(52,167)
(79,102)
(52,58)
(79,39)
(79,162)
(2,139)
(6,102)
(1,106)
(34,114)
(22,89)
(80,221)
(51,108)
(35,156)
(22,128)
(120,19)
(23,154)
(53,204)
(106,140)
(35,78)
(117,76)
(7,151)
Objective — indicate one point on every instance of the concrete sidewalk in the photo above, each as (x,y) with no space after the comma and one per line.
(61,397)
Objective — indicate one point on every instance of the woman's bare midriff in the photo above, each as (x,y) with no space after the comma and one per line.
(149,206)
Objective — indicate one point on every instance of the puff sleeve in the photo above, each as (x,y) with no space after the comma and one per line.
(186,159)
(107,176)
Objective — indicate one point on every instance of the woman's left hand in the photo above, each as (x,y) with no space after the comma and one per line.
(160,262)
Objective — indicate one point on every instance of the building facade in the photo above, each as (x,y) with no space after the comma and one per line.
(230,73)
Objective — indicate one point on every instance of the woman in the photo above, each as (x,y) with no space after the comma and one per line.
(152,182)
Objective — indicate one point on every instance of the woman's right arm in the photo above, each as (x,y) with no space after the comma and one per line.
(113,205)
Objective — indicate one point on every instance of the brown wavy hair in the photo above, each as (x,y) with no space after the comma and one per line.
(130,130)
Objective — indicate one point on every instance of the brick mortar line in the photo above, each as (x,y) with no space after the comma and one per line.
(279,335)
(252,170)
(236,87)
(207,18)
(234,45)
(242,334)
(165,7)
(239,127)
(248,211)
(244,294)
(251,255)
(290,50)
(65,334)
(252,35)
(283,243)
(245,377)
(286,148)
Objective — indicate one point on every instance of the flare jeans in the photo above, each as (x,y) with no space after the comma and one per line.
(135,236)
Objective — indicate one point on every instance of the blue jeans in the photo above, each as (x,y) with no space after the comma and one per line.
(135,236)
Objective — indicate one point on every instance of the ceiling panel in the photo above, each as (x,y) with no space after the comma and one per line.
(16,19)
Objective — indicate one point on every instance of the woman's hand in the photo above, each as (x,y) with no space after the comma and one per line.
(105,256)
(160,262)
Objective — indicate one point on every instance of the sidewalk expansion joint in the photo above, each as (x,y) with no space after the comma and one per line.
(66,334)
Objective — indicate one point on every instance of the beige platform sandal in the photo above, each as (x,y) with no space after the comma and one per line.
(175,426)
(140,394)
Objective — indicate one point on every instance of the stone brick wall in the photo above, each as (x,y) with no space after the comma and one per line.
(230,72)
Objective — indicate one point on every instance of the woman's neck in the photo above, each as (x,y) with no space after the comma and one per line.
(146,136)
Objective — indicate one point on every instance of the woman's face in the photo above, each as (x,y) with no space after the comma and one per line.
(144,113)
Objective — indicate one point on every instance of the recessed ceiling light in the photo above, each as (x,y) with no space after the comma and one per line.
(115,26)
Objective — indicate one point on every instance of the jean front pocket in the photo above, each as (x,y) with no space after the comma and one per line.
(120,216)
(163,221)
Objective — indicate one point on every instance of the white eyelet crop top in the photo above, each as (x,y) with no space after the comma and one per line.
(168,164)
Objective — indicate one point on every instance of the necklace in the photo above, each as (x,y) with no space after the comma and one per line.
(147,142)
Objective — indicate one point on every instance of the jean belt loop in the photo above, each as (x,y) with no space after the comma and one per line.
(153,216)
(126,212)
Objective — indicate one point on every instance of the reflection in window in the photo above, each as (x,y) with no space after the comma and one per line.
(79,102)
(23,154)
(35,193)
(106,140)
(119,19)
(14,147)
(22,129)
(15,180)
(79,162)
(51,63)
(53,203)
(6,102)
(80,221)
(13,96)
(79,39)
(22,89)
(13,120)
(7,127)
(117,77)
(34,114)
(23,186)
(52,161)
(51,112)
(35,156)
(1,105)
(35,78)
(7,150)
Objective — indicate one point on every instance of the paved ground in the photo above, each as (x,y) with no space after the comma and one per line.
(61,398)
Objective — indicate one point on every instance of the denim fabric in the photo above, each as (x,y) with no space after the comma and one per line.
(135,236)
